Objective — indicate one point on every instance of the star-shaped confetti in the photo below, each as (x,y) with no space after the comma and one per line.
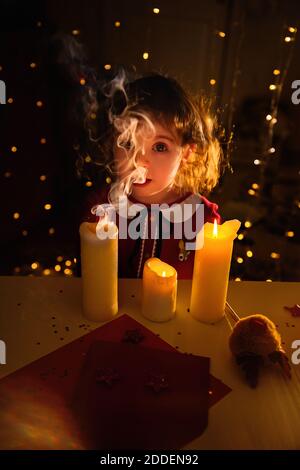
(107,377)
(133,336)
(295,310)
(157,383)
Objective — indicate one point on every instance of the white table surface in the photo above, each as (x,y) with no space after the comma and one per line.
(267,417)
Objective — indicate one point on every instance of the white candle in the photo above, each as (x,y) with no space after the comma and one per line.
(99,267)
(159,290)
(211,271)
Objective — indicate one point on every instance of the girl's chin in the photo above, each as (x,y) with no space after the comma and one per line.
(143,192)
(149,195)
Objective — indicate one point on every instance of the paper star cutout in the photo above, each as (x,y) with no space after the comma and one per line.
(107,377)
(157,383)
(295,310)
(133,336)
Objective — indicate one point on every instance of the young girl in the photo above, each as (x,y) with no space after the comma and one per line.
(161,148)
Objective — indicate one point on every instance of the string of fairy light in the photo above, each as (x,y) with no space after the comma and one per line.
(279,75)
(275,87)
(64,265)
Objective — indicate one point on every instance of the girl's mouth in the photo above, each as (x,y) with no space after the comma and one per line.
(143,184)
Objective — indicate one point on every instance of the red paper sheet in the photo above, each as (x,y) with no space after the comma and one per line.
(37,401)
(131,397)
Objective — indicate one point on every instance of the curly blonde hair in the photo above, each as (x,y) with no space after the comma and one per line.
(164,99)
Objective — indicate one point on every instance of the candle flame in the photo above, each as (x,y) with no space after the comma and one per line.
(160,268)
(215,230)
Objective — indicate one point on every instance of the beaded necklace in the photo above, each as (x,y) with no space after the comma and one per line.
(141,255)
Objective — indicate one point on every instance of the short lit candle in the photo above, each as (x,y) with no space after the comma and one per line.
(99,267)
(159,290)
(211,271)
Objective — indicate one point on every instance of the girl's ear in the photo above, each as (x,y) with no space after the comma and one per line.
(190,148)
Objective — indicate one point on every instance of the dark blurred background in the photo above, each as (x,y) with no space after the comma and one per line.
(246,54)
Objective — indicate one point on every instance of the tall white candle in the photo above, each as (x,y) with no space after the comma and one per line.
(159,290)
(211,271)
(99,267)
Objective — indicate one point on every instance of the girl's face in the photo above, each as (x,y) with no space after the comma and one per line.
(162,158)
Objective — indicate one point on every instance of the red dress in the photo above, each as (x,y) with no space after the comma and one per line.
(134,252)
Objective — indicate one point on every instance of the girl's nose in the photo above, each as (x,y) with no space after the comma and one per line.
(143,160)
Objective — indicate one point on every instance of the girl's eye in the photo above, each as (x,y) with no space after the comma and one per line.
(160,147)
